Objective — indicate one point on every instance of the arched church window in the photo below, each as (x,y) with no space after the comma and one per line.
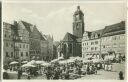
(70,48)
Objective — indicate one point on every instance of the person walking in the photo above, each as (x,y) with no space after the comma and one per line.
(19,73)
(121,77)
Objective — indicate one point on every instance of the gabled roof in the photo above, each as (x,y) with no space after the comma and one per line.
(69,37)
(27,25)
(8,25)
(42,36)
(114,29)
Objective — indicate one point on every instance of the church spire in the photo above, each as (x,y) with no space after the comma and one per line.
(78,23)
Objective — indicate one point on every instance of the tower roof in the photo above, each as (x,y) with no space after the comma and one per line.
(78,11)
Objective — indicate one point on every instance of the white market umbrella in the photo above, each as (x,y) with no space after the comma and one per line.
(60,58)
(70,60)
(24,61)
(54,60)
(63,62)
(27,65)
(45,64)
(40,62)
(87,61)
(14,62)
(32,62)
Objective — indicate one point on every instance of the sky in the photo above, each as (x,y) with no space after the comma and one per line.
(56,18)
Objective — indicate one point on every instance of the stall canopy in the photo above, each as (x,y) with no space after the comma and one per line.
(14,62)
(27,65)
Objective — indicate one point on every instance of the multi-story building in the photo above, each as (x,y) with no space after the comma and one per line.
(21,40)
(91,44)
(113,40)
(34,41)
(8,43)
(107,41)
(49,47)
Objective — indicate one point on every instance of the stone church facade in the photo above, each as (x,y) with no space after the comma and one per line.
(70,46)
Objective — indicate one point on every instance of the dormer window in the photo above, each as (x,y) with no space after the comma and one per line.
(96,35)
(92,36)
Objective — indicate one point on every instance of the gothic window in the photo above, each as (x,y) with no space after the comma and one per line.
(70,48)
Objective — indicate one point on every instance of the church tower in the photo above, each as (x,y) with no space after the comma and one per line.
(78,23)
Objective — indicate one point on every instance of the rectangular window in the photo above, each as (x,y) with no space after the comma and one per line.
(26,53)
(91,43)
(103,46)
(24,46)
(12,45)
(20,45)
(11,54)
(6,44)
(7,54)
(21,54)
(92,48)
(95,48)
(96,42)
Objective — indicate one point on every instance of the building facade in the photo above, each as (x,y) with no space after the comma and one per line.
(34,41)
(107,41)
(113,40)
(48,47)
(91,44)
(8,43)
(21,40)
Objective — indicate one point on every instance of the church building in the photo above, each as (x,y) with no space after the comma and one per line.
(70,46)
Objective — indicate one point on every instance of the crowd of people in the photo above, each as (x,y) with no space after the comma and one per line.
(71,70)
